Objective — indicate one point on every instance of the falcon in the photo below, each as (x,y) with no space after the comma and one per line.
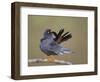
(50,43)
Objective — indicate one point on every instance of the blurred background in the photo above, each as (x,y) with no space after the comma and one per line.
(78,43)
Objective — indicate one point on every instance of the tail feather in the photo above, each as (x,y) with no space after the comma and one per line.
(59,38)
(65,38)
(64,51)
(60,33)
(65,34)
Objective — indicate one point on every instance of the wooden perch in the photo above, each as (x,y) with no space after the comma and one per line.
(39,60)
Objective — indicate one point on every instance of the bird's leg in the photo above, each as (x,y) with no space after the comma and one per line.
(51,58)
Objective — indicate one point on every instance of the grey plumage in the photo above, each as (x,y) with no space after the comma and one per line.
(49,44)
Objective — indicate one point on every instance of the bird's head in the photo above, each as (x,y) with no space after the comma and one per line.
(48,33)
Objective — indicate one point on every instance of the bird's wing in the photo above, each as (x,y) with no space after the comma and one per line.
(60,37)
(54,47)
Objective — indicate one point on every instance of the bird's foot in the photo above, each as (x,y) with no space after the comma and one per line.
(51,59)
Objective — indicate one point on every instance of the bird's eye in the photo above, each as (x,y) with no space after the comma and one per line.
(48,32)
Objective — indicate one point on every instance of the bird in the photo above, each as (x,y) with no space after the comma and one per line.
(50,43)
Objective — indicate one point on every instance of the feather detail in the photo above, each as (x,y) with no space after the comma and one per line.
(65,38)
(59,36)
(60,33)
(65,34)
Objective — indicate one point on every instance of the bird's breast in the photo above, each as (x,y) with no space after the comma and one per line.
(45,43)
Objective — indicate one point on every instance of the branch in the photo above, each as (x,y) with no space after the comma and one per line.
(39,60)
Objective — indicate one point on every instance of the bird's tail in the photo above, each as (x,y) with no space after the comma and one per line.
(65,37)
(60,37)
(65,51)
